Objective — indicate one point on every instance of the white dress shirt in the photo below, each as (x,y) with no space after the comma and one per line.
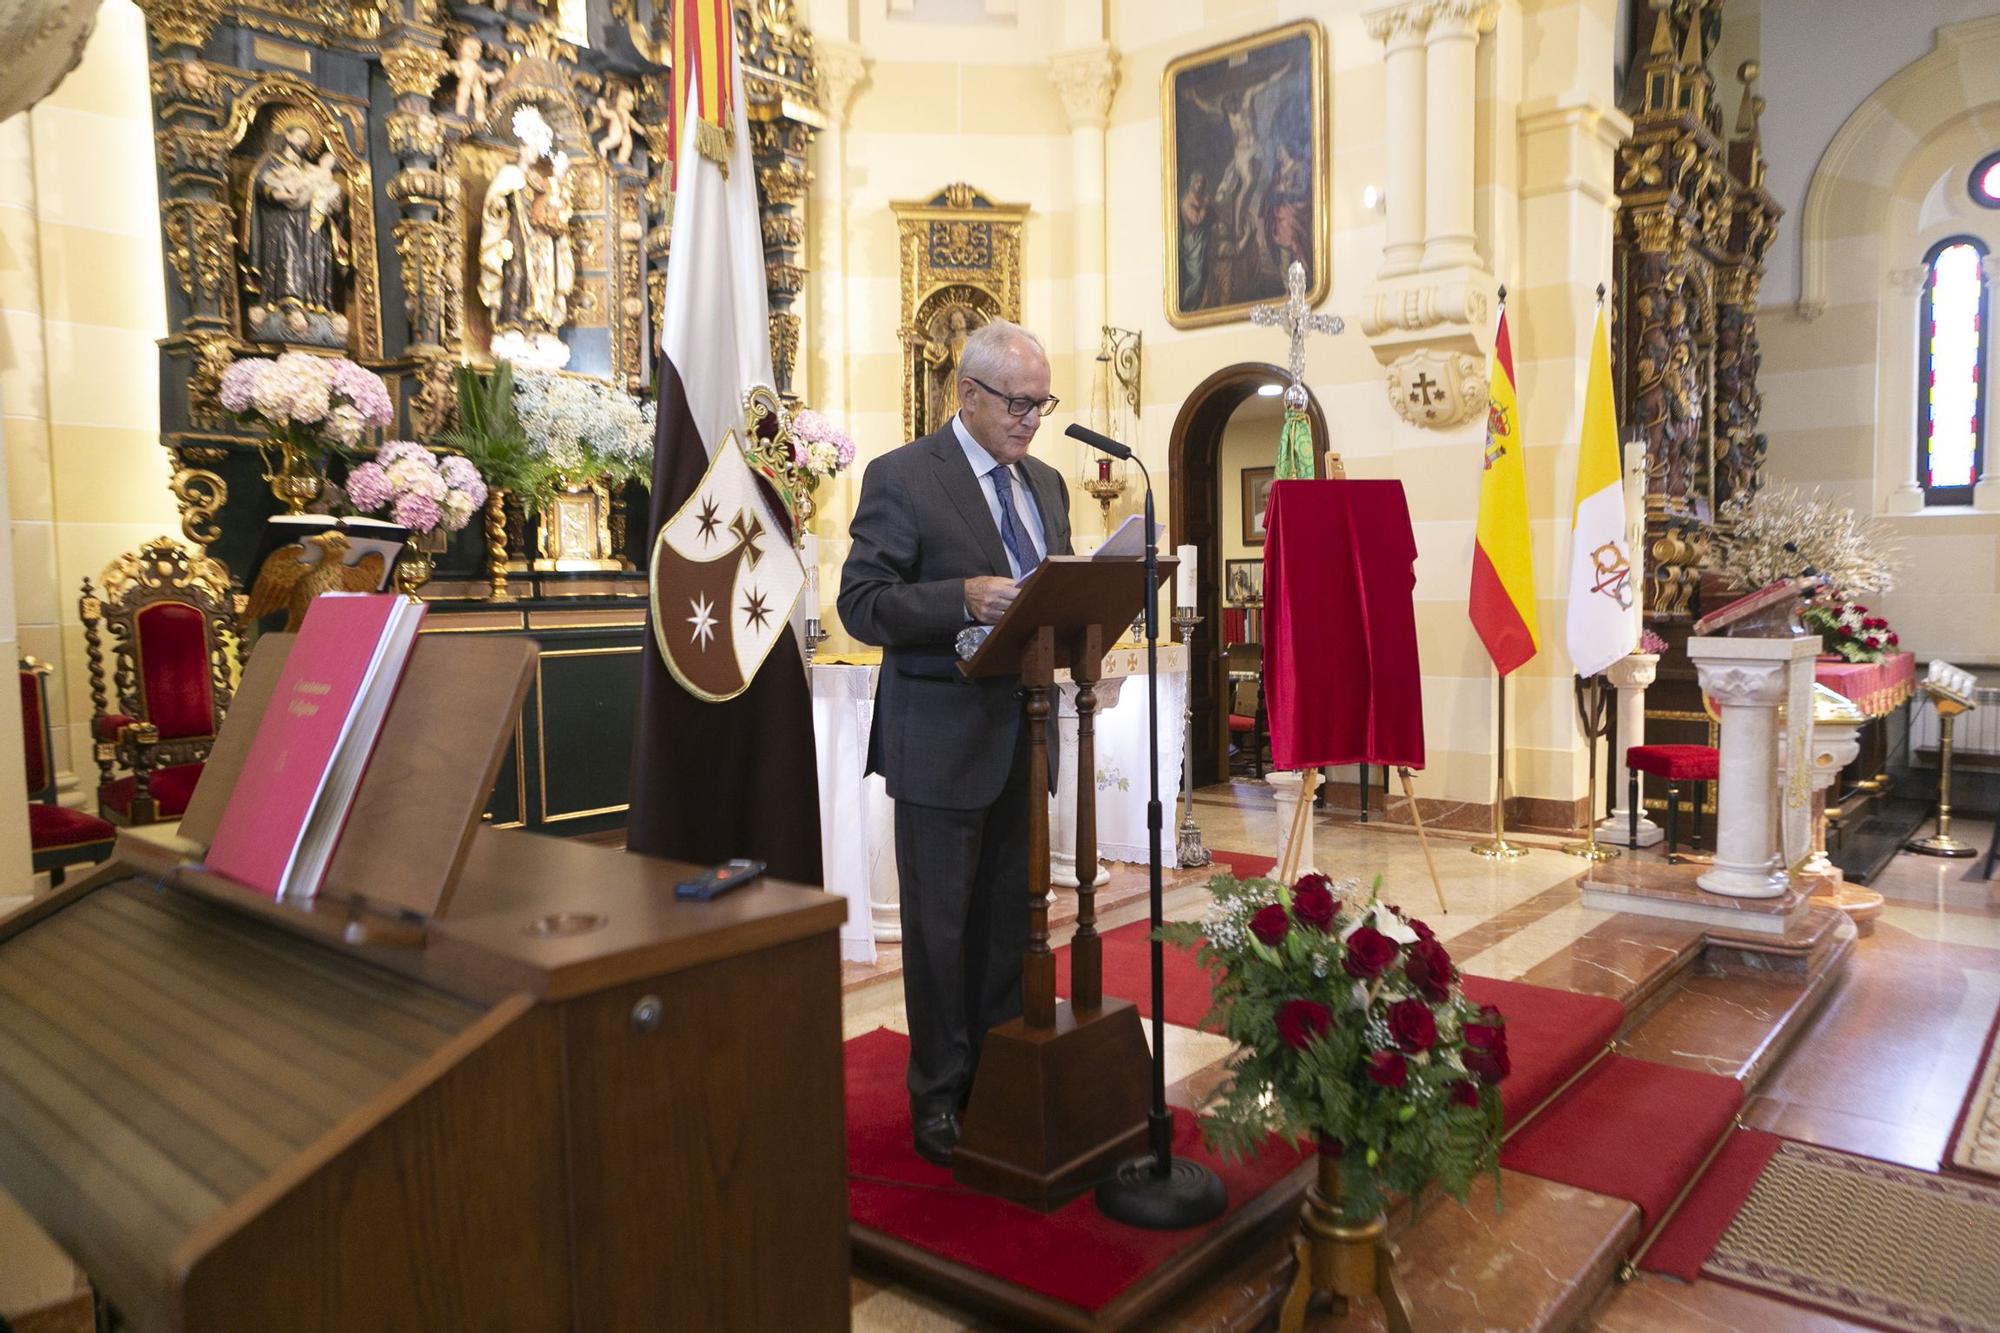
(984,465)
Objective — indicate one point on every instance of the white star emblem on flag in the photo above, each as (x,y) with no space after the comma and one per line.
(703,621)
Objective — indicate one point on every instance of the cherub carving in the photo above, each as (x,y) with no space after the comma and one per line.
(473,80)
(615,116)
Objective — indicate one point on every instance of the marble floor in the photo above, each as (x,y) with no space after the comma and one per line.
(1881,1069)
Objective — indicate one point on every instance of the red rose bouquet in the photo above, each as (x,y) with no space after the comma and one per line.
(1350,1027)
(1852,631)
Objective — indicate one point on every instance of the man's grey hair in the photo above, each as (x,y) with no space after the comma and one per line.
(986,349)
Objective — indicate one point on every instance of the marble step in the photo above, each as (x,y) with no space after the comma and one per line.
(1541,1263)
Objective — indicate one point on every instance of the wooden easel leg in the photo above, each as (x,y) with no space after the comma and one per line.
(1301,821)
(1423,839)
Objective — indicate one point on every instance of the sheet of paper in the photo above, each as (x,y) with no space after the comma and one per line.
(1129,541)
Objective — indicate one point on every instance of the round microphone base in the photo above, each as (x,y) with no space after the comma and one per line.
(1139,1195)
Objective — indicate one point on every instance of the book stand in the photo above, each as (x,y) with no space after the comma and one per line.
(420,802)
(1061,1093)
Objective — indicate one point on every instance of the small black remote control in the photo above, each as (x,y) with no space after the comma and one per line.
(719,880)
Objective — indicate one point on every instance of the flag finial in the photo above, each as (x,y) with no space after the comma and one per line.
(1503,293)
(1600,293)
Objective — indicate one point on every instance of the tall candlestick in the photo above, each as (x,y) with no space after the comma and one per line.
(1185,581)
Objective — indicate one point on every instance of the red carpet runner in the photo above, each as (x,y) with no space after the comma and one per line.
(1691,1235)
(1072,1255)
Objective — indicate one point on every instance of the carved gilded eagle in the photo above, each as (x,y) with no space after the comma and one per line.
(291,578)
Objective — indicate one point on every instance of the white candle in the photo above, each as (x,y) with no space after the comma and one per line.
(1184,578)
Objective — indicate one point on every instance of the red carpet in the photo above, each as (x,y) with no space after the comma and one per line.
(1128,974)
(1243,865)
(1629,1128)
(1072,1255)
(1550,1035)
(1690,1236)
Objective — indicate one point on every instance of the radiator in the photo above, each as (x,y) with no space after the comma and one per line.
(1976,732)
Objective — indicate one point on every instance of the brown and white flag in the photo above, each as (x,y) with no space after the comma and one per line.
(723,763)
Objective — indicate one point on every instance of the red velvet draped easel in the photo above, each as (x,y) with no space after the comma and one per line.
(1341,680)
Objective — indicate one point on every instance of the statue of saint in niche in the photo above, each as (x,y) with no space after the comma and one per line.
(937,346)
(527,258)
(294,237)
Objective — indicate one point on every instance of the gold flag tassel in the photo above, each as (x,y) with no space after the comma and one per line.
(714,142)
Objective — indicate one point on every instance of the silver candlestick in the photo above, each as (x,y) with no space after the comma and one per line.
(1192,851)
(815,636)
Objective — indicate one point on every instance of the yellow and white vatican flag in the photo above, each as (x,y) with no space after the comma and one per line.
(1602,581)
(723,762)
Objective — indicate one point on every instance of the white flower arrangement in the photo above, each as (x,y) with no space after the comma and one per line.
(581,427)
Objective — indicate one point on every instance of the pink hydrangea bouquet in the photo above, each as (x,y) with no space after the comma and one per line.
(1650,642)
(819,448)
(1352,1031)
(417,488)
(307,401)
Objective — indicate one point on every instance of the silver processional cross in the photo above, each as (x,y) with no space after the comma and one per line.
(1295,317)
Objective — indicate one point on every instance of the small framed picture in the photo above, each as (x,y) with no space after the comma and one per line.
(1256,491)
(1243,582)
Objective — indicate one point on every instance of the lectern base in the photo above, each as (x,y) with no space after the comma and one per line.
(1055,1110)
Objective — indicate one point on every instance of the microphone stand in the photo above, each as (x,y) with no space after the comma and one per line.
(1157,1191)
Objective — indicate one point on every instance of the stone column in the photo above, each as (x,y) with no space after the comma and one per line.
(841,71)
(1631,675)
(1401,30)
(1086,78)
(1450,43)
(1748,678)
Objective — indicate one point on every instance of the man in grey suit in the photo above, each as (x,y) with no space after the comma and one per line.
(945,526)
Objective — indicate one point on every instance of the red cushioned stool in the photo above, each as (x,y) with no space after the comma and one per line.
(1673,764)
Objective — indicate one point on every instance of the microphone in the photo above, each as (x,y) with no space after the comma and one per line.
(1096,441)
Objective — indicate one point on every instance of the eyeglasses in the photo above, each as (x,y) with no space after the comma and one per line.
(1018,406)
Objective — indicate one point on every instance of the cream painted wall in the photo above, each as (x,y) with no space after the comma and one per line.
(82,303)
(1840,387)
(973,101)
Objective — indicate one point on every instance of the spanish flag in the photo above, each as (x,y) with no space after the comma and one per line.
(704,82)
(1601,586)
(1502,604)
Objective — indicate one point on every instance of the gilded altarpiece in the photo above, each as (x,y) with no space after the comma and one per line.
(960,266)
(418,184)
(1695,223)
(415,184)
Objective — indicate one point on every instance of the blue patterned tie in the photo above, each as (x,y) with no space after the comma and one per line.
(1012,536)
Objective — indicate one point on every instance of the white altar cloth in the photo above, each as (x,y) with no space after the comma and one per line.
(857,818)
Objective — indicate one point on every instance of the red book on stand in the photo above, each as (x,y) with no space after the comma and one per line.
(291,800)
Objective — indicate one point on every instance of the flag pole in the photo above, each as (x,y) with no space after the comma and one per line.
(1596,725)
(1498,848)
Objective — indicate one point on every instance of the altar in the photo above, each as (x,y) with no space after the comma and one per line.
(857,818)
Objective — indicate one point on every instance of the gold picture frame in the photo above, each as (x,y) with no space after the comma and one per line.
(1256,498)
(1244,169)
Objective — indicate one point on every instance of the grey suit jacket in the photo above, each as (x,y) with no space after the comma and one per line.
(922,528)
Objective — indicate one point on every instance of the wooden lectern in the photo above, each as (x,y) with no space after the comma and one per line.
(487,1079)
(1061,1094)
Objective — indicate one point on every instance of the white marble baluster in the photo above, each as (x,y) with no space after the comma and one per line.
(1631,675)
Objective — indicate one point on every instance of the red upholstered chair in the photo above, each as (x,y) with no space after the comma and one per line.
(168,614)
(1672,764)
(58,837)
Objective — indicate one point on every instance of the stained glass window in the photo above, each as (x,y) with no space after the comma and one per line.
(1951,371)
(1984,186)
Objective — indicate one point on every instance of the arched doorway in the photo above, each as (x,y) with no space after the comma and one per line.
(1195,469)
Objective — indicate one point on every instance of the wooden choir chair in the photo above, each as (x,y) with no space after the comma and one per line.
(168,614)
(1247,734)
(58,836)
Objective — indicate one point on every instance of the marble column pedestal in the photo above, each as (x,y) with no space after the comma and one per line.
(1749,678)
(1630,675)
(1836,741)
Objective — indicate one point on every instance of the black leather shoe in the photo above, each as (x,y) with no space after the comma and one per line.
(935,1137)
